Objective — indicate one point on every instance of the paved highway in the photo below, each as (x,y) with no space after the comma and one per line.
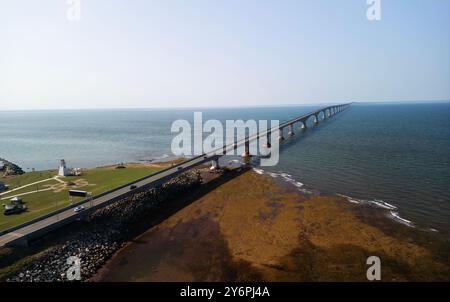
(117,194)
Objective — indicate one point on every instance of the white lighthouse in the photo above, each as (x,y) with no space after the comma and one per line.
(63,169)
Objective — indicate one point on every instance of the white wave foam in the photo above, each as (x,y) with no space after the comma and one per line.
(352,200)
(258,171)
(383,204)
(380,204)
(376,202)
(286,177)
(290,179)
(396,216)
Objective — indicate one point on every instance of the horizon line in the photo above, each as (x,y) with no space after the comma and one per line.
(227,107)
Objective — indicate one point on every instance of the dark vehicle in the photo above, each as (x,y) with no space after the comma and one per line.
(14,209)
(180,168)
(78,193)
(132,187)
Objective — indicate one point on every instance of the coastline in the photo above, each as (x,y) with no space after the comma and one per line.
(255,228)
(391,211)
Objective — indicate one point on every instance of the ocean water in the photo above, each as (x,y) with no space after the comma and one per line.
(394,156)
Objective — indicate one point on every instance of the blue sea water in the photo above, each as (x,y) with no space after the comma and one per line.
(396,156)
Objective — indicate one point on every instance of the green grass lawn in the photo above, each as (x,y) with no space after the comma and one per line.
(41,203)
(44,185)
(27,178)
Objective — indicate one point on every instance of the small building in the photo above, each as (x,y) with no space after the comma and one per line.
(76,172)
(63,171)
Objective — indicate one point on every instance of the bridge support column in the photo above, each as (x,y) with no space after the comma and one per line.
(215,164)
(280,135)
(316,119)
(246,153)
(291,130)
(303,126)
(268,144)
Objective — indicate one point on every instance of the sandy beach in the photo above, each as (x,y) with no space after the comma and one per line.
(254,228)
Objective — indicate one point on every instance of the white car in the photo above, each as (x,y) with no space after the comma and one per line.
(78,209)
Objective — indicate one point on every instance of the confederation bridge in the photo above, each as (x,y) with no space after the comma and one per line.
(20,235)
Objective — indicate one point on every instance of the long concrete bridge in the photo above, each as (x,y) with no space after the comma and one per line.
(21,234)
(316,116)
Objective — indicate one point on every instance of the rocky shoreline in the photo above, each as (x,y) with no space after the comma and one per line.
(253,228)
(107,230)
(241,226)
(10,169)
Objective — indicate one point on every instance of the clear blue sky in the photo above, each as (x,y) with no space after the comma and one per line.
(221,53)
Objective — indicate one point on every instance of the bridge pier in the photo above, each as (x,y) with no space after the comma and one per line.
(316,119)
(215,164)
(268,145)
(303,126)
(291,130)
(280,135)
(246,153)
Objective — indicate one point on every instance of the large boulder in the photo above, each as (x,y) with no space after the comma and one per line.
(10,169)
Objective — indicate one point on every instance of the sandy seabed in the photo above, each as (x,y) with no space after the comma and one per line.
(252,228)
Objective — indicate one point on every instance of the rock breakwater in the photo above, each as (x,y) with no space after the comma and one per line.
(109,229)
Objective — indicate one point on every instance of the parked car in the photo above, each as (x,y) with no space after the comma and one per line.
(14,209)
(79,209)
(132,187)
